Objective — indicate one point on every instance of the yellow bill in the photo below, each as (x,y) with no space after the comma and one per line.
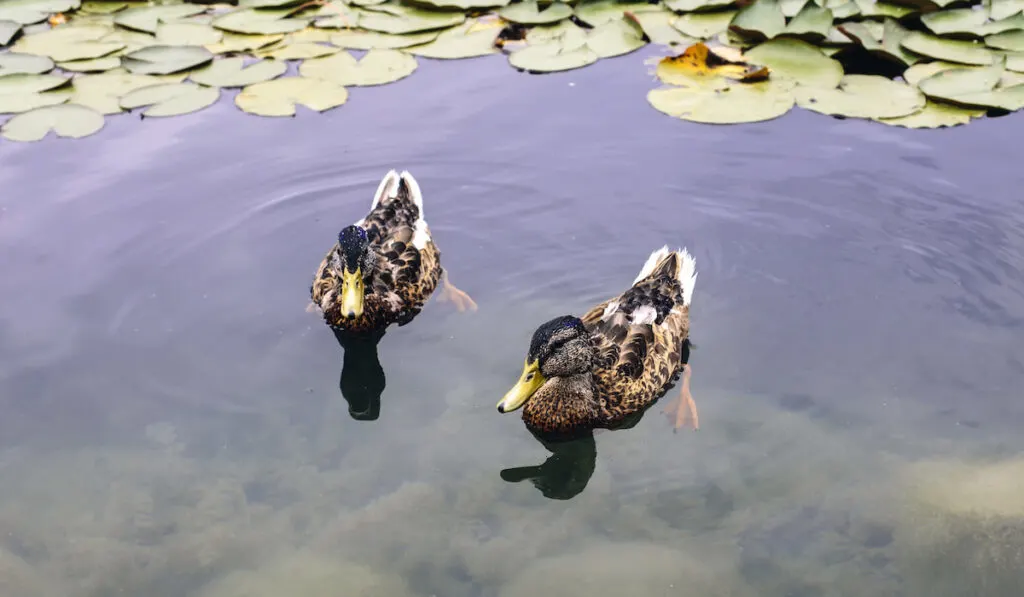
(352,291)
(529,382)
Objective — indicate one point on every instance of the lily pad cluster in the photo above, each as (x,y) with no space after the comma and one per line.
(66,65)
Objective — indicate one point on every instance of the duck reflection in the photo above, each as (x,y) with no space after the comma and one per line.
(565,473)
(362,376)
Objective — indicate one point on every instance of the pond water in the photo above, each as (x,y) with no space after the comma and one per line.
(174,424)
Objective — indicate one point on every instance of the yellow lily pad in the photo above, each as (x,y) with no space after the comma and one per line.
(280,96)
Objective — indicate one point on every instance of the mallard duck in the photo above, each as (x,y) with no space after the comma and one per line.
(618,359)
(385,266)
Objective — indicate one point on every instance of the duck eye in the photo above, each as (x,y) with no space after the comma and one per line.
(529,377)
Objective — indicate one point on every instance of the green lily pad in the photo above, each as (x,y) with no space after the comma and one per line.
(790,8)
(552,56)
(91,66)
(935,115)
(268,3)
(762,19)
(12,63)
(1008,40)
(567,33)
(739,103)
(948,84)
(964,52)
(164,60)
(240,42)
(400,19)
(599,12)
(8,29)
(66,120)
(859,33)
(459,42)
(102,92)
(148,18)
(377,67)
(871,8)
(187,34)
(450,4)
(658,27)
(893,35)
(368,40)
(704,25)
(15,103)
(529,12)
(259,21)
(960,20)
(692,6)
(171,99)
(1014,62)
(850,8)
(280,96)
(1009,99)
(29,12)
(919,72)
(1008,24)
(862,96)
(301,51)
(26,83)
(82,50)
(102,7)
(797,61)
(812,22)
(1003,9)
(615,38)
(233,72)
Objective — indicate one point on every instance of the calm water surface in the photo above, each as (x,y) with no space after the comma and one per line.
(175,424)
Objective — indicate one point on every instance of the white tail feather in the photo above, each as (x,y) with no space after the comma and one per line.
(388,188)
(651,263)
(687,270)
(414,190)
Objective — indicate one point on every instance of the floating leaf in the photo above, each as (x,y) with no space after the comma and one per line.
(964,52)
(259,22)
(405,19)
(919,72)
(233,72)
(240,42)
(615,38)
(689,6)
(960,20)
(657,26)
(187,34)
(552,56)
(280,96)
(600,12)
(862,96)
(368,40)
(893,35)
(148,18)
(849,9)
(935,115)
(1002,98)
(15,103)
(738,103)
(91,66)
(8,29)
(66,120)
(164,60)
(761,19)
(459,4)
(268,3)
(14,63)
(812,22)
(949,84)
(301,51)
(699,66)
(704,25)
(102,92)
(101,7)
(464,41)
(1002,9)
(790,8)
(798,61)
(1008,40)
(29,12)
(529,12)
(171,99)
(1014,62)
(27,83)
(377,67)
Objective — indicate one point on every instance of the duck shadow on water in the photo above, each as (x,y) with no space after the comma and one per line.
(362,379)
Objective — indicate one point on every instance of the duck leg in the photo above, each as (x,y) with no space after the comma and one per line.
(683,410)
(450,293)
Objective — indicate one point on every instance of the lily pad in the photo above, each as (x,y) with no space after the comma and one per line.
(1008,40)
(704,25)
(762,19)
(600,12)
(1009,24)
(187,34)
(1014,62)
(102,7)
(964,52)
(26,83)
(935,115)
(948,84)
(944,22)
(259,22)
(300,51)
(862,96)
(148,18)
(871,8)
(449,4)
(377,67)
(1010,99)
(615,38)
(102,92)
(529,12)
(919,72)
(233,72)
(893,35)
(405,19)
(463,41)
(280,96)
(797,61)
(30,64)
(812,22)
(737,103)
(691,6)
(164,60)
(552,56)
(8,29)
(29,12)
(356,39)
(15,103)
(268,3)
(241,42)
(1003,9)
(699,66)
(171,99)
(658,27)
(65,120)
(91,66)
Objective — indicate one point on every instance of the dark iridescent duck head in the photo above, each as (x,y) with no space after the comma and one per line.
(560,348)
(353,260)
